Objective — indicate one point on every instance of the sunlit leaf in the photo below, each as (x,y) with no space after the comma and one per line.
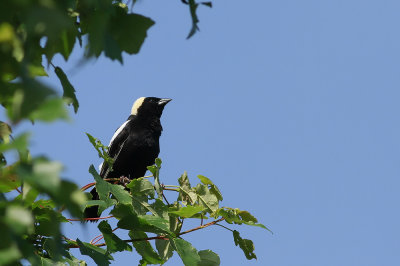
(213,188)
(207,199)
(188,211)
(19,219)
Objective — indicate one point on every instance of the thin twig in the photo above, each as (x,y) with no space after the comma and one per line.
(100,237)
(165,198)
(88,186)
(202,226)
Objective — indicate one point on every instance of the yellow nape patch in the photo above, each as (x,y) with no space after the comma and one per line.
(136,105)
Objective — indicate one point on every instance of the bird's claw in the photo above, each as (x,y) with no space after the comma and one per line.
(124,180)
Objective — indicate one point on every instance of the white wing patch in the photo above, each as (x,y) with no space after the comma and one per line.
(136,105)
(117,132)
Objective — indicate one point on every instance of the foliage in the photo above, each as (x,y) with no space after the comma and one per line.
(34,199)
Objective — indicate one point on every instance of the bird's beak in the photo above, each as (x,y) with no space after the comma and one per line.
(164,101)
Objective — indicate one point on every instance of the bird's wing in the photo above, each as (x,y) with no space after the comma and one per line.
(115,146)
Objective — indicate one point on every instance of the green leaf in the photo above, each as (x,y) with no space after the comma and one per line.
(184,181)
(5,132)
(62,44)
(19,143)
(19,219)
(113,242)
(102,150)
(213,188)
(104,188)
(103,204)
(72,261)
(195,20)
(158,162)
(155,170)
(186,194)
(186,251)
(43,175)
(50,110)
(47,221)
(99,255)
(160,208)
(208,258)
(188,211)
(245,244)
(144,248)
(239,217)
(210,201)
(164,248)
(130,30)
(156,222)
(69,90)
(28,96)
(141,186)
(10,255)
(43,204)
(147,223)
(29,194)
(141,205)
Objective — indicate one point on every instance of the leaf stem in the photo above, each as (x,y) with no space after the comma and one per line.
(171,189)
(225,227)
(171,186)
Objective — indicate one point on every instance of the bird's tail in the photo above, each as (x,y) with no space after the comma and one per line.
(93,211)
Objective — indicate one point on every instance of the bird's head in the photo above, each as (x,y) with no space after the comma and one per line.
(149,106)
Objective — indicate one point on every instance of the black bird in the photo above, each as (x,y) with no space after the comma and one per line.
(135,144)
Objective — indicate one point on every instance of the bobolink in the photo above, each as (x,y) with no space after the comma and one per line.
(135,144)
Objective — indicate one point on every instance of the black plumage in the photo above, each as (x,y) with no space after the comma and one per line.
(135,144)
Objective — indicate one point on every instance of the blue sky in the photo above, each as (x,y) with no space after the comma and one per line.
(290,107)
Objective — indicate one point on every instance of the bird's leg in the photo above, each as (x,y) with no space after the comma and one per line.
(123,180)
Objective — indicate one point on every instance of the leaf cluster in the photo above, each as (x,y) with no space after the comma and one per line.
(144,213)
(32,30)
(35,200)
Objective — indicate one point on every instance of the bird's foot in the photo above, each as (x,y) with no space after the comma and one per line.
(124,180)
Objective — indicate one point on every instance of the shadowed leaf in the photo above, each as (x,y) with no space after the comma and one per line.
(113,242)
(245,244)
(144,248)
(99,255)
(208,258)
(69,90)
(186,251)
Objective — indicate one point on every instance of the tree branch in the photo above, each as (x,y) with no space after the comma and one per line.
(160,237)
